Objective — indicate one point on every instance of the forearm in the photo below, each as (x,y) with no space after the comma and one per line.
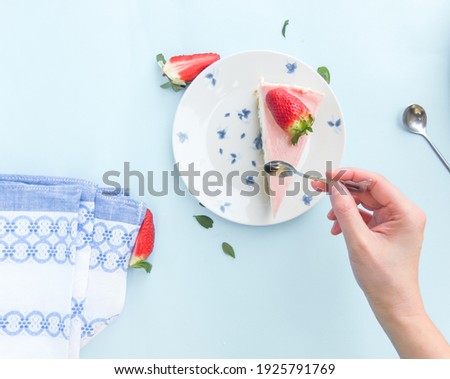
(414,336)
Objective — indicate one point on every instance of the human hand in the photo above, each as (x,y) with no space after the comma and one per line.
(384,241)
(384,244)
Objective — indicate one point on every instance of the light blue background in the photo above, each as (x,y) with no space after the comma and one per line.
(79,95)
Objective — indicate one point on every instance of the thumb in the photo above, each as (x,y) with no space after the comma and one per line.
(347,214)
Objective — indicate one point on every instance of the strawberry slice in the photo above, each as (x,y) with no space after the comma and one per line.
(144,244)
(290,113)
(183,69)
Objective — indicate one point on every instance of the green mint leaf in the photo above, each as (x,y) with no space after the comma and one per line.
(228,250)
(176,87)
(205,221)
(166,85)
(147,266)
(160,59)
(283,31)
(324,73)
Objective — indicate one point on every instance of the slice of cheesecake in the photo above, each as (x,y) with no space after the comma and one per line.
(286,114)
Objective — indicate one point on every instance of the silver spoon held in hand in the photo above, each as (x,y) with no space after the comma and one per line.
(415,120)
(284,169)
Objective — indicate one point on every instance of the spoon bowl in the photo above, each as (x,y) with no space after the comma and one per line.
(284,169)
(415,119)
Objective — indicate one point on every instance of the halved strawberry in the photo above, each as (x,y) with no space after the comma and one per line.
(183,69)
(290,113)
(144,244)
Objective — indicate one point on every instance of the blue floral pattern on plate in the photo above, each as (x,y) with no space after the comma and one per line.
(291,67)
(335,125)
(250,180)
(244,114)
(221,133)
(211,77)
(306,199)
(182,137)
(224,207)
(258,142)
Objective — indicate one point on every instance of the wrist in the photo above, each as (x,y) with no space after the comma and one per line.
(403,317)
(397,309)
(414,335)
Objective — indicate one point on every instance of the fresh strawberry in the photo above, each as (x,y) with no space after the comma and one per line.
(183,69)
(144,244)
(290,113)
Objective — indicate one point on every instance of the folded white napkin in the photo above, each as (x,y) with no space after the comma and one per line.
(64,250)
(115,228)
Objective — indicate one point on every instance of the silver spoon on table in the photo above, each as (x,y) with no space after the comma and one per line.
(415,120)
(284,169)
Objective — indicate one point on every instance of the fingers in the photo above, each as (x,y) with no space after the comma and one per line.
(330,215)
(348,218)
(336,228)
(319,186)
(380,193)
(366,216)
(365,197)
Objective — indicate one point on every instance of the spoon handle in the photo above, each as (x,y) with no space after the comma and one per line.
(438,153)
(358,187)
(351,185)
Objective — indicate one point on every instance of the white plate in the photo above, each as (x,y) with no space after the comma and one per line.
(216,131)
